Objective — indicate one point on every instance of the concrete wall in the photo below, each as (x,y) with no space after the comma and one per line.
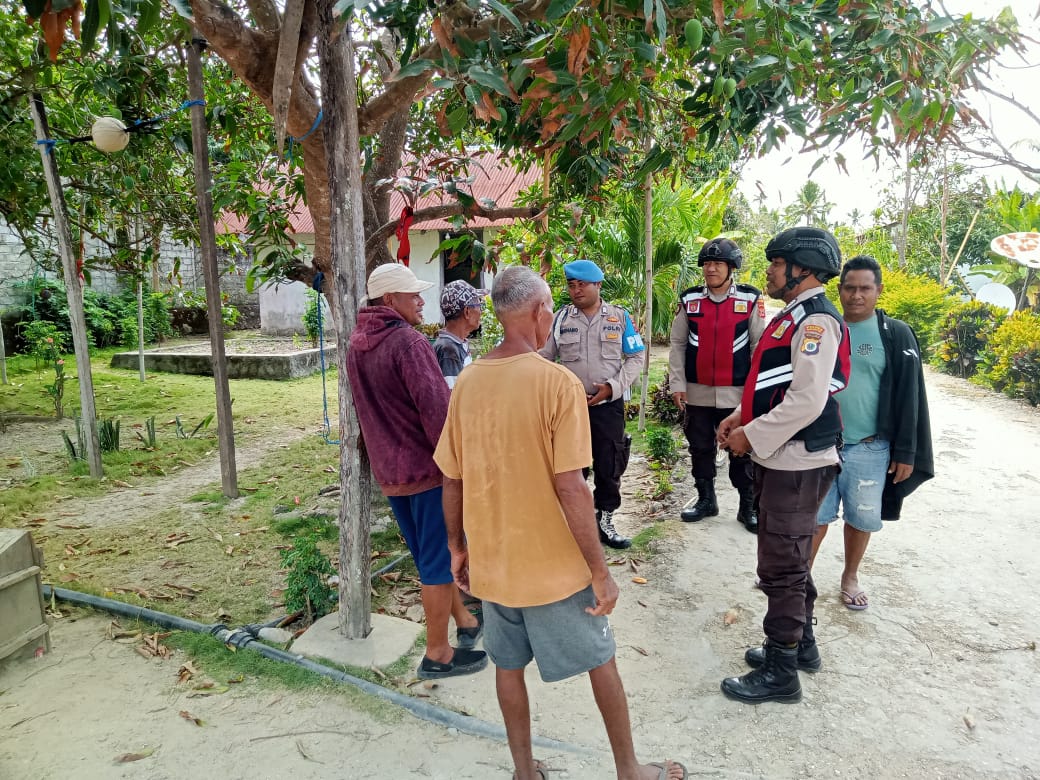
(282,306)
(17,267)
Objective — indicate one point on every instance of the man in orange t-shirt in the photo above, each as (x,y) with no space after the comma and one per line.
(522,527)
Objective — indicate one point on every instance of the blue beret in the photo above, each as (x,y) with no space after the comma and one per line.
(583,271)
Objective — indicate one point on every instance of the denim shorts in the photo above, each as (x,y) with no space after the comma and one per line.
(858,487)
(421,520)
(561,637)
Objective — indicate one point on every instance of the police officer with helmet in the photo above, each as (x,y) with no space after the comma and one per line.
(788,421)
(714,334)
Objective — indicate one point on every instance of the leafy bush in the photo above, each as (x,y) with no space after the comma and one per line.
(660,406)
(660,445)
(196,300)
(962,337)
(918,301)
(310,317)
(307,581)
(1012,363)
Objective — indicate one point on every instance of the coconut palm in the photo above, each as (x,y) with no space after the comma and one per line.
(811,206)
(682,220)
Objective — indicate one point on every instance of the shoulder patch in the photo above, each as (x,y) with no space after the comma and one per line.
(781,329)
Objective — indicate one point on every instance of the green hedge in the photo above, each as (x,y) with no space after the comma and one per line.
(1012,362)
(962,337)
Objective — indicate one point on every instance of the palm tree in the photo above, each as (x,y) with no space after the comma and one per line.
(811,205)
(682,220)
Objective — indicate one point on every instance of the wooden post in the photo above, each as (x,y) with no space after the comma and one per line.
(3,354)
(73,288)
(648,314)
(343,155)
(208,242)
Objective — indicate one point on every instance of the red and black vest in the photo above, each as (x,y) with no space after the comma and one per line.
(718,352)
(771,373)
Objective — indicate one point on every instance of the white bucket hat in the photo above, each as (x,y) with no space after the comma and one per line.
(394,278)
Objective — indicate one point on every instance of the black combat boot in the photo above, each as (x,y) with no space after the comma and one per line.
(775,680)
(746,512)
(705,506)
(608,535)
(808,654)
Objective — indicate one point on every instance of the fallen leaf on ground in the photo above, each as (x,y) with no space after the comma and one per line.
(237,679)
(731,616)
(640,650)
(120,483)
(126,758)
(188,716)
(969,721)
(186,672)
(211,689)
(639,580)
(72,527)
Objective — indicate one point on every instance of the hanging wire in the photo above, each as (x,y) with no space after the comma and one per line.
(319,278)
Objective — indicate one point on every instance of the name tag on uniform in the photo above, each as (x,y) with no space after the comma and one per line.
(693,307)
(613,335)
(740,307)
(613,319)
(781,329)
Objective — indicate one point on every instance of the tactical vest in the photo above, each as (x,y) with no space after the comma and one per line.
(718,351)
(771,373)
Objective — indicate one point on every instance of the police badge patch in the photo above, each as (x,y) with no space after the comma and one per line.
(693,307)
(740,307)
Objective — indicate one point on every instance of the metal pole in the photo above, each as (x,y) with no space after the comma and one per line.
(140,329)
(73,288)
(208,241)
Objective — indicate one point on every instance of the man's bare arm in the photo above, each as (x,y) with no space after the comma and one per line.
(451,500)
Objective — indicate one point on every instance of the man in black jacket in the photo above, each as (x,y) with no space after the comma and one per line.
(888,446)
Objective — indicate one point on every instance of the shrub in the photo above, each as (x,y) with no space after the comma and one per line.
(660,406)
(307,582)
(660,445)
(310,317)
(1012,364)
(918,301)
(195,300)
(962,337)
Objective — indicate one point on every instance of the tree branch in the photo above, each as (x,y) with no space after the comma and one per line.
(375,112)
(451,210)
(266,14)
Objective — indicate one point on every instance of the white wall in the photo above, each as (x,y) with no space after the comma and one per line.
(282,306)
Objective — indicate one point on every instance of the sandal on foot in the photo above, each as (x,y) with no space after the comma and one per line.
(540,768)
(664,769)
(462,662)
(849,600)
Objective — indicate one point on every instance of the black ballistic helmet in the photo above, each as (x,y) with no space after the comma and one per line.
(812,248)
(721,249)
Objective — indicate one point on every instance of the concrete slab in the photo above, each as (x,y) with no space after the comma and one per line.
(391,638)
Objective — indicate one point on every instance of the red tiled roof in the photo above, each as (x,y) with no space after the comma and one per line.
(488,178)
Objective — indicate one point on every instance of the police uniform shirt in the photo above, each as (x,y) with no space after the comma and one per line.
(812,364)
(718,397)
(602,349)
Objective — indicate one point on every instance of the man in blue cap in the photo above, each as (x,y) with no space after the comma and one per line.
(599,343)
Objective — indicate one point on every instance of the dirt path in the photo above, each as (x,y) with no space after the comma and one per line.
(938,679)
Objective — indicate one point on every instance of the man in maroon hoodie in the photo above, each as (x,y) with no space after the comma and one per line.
(402,401)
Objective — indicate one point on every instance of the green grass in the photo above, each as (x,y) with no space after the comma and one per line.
(643,541)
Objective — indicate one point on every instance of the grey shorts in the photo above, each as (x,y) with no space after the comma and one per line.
(561,637)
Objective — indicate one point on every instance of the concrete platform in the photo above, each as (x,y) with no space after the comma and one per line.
(391,638)
(300,363)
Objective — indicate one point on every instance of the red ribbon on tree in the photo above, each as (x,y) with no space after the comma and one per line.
(404,246)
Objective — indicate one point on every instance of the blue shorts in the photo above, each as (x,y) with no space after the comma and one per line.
(858,487)
(421,520)
(561,637)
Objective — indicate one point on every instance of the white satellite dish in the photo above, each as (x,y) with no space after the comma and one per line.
(975,282)
(1023,248)
(999,295)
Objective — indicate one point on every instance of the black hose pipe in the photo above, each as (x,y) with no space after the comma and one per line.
(240,639)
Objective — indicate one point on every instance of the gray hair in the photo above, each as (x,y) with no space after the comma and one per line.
(516,287)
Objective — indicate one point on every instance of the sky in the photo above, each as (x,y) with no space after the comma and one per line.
(782,172)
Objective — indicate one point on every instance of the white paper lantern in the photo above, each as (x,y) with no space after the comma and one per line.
(109,134)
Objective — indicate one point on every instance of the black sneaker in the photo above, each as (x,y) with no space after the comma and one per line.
(608,535)
(463,662)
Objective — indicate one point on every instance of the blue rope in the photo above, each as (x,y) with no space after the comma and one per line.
(294,140)
(140,124)
(327,428)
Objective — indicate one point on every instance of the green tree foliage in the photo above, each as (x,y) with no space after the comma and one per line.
(810,206)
